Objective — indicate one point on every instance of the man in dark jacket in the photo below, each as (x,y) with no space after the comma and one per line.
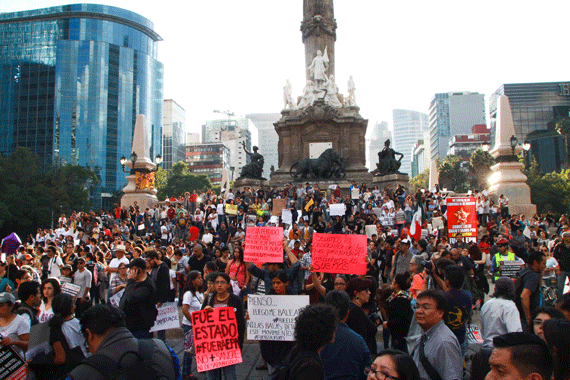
(161,277)
(139,300)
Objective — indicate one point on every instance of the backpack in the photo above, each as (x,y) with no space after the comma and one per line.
(143,368)
(283,370)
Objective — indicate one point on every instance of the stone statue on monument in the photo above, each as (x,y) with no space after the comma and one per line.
(309,95)
(351,101)
(387,163)
(254,169)
(318,69)
(287,96)
(331,97)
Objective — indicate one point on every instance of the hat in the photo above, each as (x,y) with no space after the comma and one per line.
(6,297)
(405,241)
(137,263)
(120,247)
(502,241)
(357,284)
(505,283)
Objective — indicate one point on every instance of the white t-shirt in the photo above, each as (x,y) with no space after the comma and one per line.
(45,315)
(220,208)
(115,264)
(207,238)
(83,279)
(19,326)
(194,303)
(53,267)
(72,331)
(172,274)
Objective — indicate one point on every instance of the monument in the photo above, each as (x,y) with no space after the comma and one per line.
(321,135)
(140,186)
(507,177)
(388,169)
(251,173)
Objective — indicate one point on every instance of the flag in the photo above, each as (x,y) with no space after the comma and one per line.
(309,204)
(417,221)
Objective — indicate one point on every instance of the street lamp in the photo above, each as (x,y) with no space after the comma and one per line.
(485,146)
(514,142)
(134,157)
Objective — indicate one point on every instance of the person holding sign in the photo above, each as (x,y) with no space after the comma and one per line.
(504,254)
(222,297)
(192,301)
(14,329)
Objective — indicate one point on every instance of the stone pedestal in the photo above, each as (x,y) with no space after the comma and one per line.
(394,179)
(255,184)
(508,179)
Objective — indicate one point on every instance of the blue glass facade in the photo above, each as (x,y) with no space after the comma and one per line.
(72,80)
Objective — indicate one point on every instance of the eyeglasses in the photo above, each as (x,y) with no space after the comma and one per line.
(380,375)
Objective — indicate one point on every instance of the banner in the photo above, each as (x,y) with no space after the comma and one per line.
(264,244)
(272,317)
(339,253)
(278,206)
(462,217)
(71,289)
(337,209)
(216,338)
(167,317)
(231,209)
(116,299)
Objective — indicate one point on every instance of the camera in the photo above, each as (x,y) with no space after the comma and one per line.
(428,265)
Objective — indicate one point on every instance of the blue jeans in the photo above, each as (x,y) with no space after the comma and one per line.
(216,374)
(560,281)
(187,361)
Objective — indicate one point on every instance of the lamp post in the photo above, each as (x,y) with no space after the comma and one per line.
(485,146)
(134,157)
(514,142)
(526,148)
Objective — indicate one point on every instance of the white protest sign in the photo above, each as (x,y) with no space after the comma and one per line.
(337,209)
(116,299)
(354,193)
(167,317)
(71,289)
(272,317)
(286,217)
(371,230)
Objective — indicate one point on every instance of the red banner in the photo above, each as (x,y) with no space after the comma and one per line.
(339,253)
(216,338)
(462,217)
(263,245)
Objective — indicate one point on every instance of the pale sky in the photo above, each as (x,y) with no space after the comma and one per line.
(237,54)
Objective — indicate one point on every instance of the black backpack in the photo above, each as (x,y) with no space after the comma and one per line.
(143,368)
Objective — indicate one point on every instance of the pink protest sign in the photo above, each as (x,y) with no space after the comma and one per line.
(216,338)
(339,253)
(264,245)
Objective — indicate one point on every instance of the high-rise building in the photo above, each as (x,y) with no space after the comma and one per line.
(233,133)
(209,159)
(267,139)
(72,80)
(418,158)
(453,113)
(173,134)
(409,127)
(375,138)
(536,107)
(464,145)
(192,138)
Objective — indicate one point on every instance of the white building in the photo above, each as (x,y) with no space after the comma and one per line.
(173,134)
(409,127)
(267,139)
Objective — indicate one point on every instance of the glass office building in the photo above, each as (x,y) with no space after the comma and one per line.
(72,80)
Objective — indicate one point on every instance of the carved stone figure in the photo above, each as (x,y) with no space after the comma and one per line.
(254,169)
(318,69)
(331,97)
(329,165)
(387,163)
(287,96)
(309,95)
(351,92)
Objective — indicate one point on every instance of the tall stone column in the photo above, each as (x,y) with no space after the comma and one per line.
(319,31)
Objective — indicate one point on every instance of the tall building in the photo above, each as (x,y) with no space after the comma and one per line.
(536,107)
(209,159)
(267,139)
(72,80)
(419,159)
(173,134)
(232,133)
(409,127)
(375,138)
(192,138)
(453,113)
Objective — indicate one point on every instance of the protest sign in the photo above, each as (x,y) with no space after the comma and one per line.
(286,217)
(437,222)
(354,194)
(264,244)
(12,367)
(71,289)
(274,219)
(167,317)
(231,209)
(462,217)
(278,206)
(339,253)
(337,209)
(511,268)
(377,211)
(116,299)
(216,338)
(272,317)
(371,230)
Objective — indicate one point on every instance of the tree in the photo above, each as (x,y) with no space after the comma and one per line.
(181,180)
(451,175)
(160,178)
(562,126)
(549,192)
(421,181)
(481,163)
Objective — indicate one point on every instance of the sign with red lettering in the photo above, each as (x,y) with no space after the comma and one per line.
(264,244)
(339,253)
(216,338)
(462,217)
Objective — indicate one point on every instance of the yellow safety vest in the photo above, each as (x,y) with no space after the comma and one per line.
(500,258)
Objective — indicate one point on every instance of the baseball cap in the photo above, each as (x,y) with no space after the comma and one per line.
(120,247)
(137,263)
(6,297)
(502,241)
(405,241)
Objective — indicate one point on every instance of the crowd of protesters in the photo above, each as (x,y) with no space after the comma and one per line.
(420,290)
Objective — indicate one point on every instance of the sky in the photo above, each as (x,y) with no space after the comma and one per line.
(237,54)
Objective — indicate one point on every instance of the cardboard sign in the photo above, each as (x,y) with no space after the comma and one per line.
(286,217)
(216,338)
(339,253)
(278,206)
(462,217)
(231,209)
(71,289)
(510,268)
(116,299)
(272,317)
(264,244)
(167,317)
(12,366)
(377,211)
(354,194)
(337,209)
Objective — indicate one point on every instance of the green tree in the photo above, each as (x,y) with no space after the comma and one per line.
(160,178)
(481,163)
(549,192)
(421,181)
(452,176)
(181,180)
(562,126)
